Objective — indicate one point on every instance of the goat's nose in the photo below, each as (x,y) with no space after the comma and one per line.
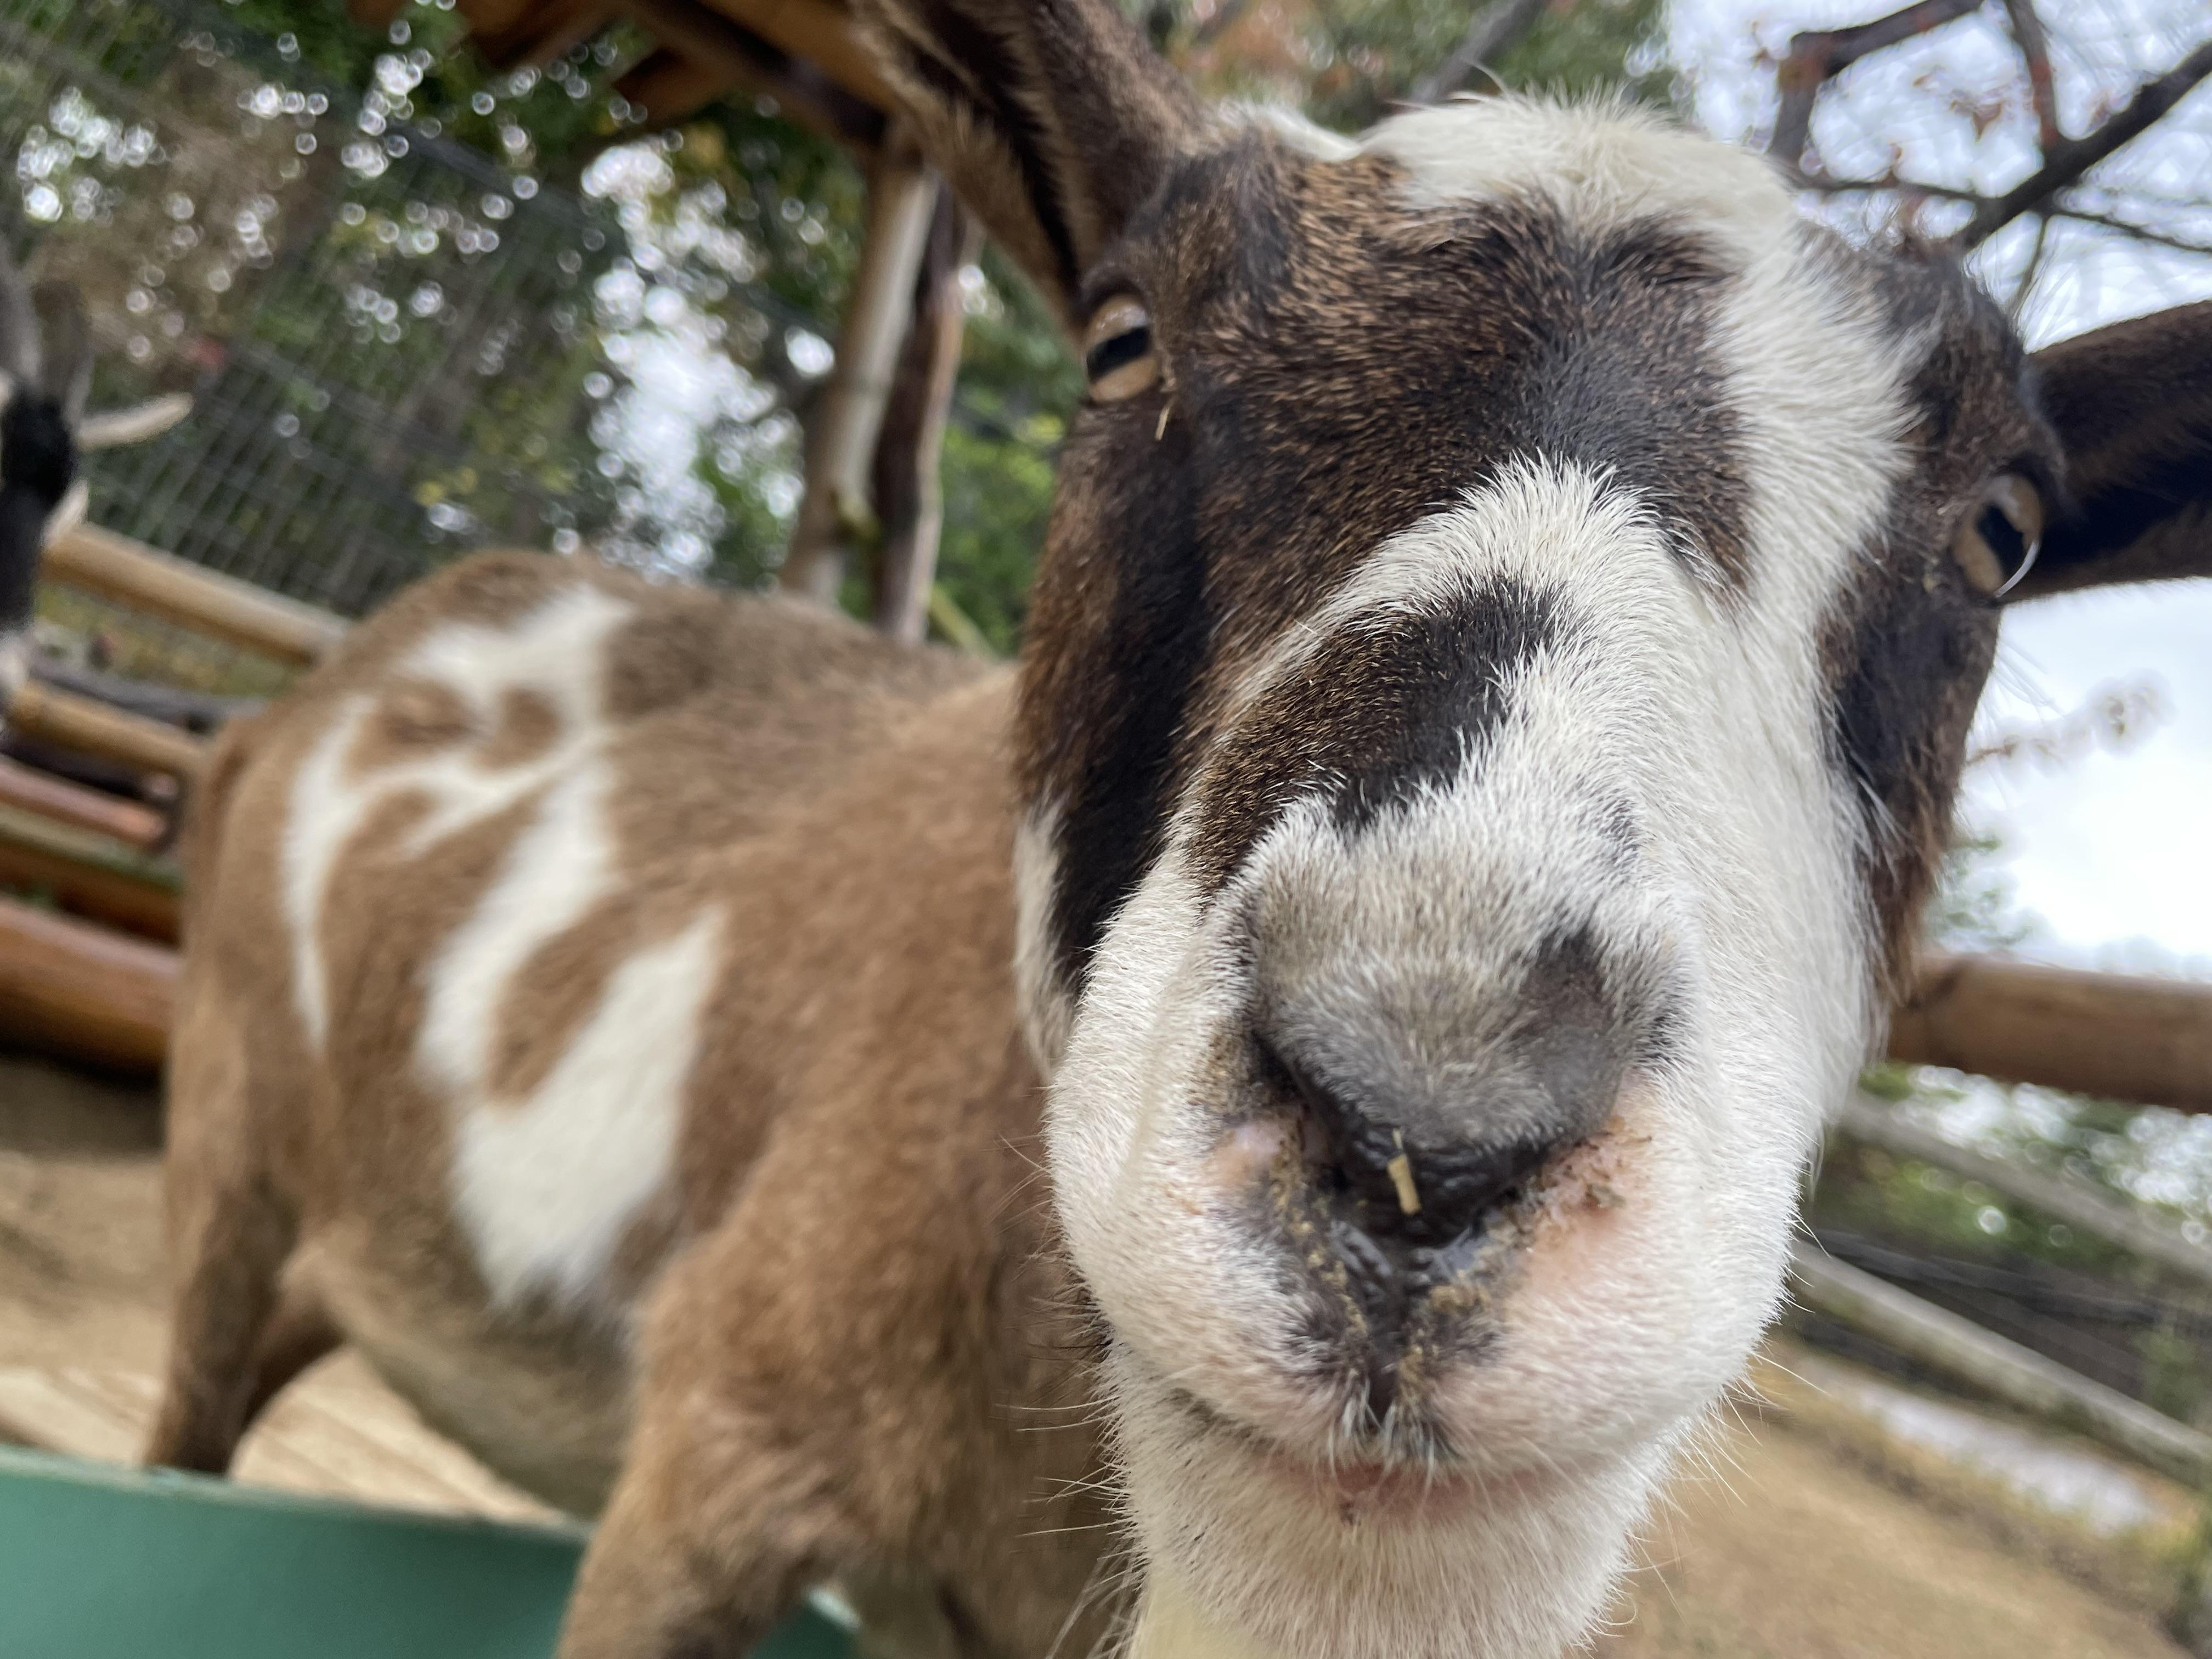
(1422,1118)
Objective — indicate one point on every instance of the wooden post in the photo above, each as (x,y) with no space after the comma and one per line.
(910,449)
(834,514)
(2148,1041)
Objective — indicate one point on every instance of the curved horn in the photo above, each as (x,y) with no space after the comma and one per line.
(134,423)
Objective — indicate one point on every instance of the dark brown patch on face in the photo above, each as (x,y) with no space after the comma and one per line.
(1907,652)
(1337,366)
(1375,715)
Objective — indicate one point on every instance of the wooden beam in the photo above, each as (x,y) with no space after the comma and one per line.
(552,31)
(97,560)
(910,498)
(712,41)
(66,722)
(26,789)
(821,33)
(668,86)
(497,16)
(2134,1227)
(70,988)
(834,518)
(2148,1041)
(90,875)
(2005,1370)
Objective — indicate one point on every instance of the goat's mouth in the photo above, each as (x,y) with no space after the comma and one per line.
(1407,1475)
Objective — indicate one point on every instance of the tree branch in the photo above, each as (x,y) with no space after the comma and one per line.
(2064,162)
(2142,232)
(1888,181)
(2035,51)
(1819,54)
(1490,32)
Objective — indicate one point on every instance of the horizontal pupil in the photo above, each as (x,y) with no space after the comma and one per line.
(1109,355)
(2004,536)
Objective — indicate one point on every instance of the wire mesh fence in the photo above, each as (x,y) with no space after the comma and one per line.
(396,348)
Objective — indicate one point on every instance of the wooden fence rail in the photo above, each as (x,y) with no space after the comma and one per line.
(2148,1041)
(2099,1214)
(100,561)
(1988,1364)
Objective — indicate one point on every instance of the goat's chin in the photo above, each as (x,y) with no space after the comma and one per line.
(1254,1552)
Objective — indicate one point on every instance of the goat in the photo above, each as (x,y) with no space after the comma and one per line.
(44,428)
(1491,703)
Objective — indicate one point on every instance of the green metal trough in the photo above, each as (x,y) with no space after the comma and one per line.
(98,1562)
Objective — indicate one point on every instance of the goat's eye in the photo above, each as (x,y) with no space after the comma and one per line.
(1997,544)
(1117,350)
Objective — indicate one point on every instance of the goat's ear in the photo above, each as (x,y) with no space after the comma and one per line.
(1053,118)
(2132,405)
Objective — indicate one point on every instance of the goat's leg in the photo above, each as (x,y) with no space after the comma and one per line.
(299,1332)
(230,1233)
(706,1545)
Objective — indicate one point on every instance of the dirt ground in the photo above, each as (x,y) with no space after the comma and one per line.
(1809,1538)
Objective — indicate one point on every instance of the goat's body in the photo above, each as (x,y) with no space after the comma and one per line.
(787,1226)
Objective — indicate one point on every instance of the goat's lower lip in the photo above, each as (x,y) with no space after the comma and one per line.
(1356,1488)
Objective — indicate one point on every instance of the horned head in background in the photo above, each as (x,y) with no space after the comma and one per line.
(46,378)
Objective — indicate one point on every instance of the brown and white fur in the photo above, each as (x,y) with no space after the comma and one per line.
(1493,700)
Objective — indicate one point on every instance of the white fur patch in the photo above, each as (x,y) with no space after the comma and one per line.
(545,1182)
(557,652)
(1604,167)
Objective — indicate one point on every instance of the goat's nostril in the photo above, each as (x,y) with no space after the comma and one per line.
(1427,1178)
(1402,1185)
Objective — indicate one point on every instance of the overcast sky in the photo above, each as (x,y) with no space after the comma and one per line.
(2110,851)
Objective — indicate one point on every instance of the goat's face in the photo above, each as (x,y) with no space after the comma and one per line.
(1495,690)
(42,387)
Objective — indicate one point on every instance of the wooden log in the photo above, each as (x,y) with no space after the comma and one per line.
(842,437)
(819,32)
(82,991)
(554,30)
(910,446)
(201,713)
(90,875)
(97,560)
(2004,1371)
(69,721)
(705,53)
(2141,1040)
(2133,1227)
(26,789)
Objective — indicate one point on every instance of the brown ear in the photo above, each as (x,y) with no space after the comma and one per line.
(2132,404)
(1053,118)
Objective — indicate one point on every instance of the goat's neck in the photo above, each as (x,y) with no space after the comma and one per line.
(1170,1624)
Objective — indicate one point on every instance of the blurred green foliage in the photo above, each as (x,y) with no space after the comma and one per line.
(738,177)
